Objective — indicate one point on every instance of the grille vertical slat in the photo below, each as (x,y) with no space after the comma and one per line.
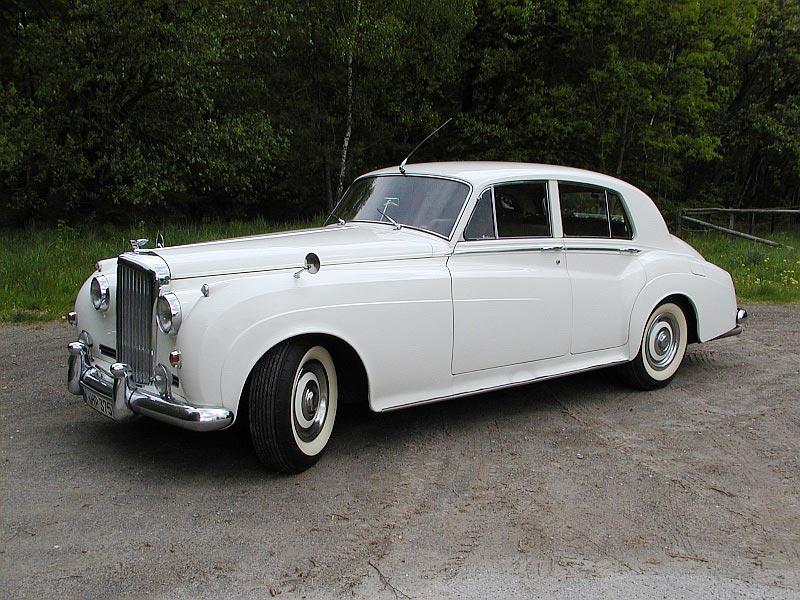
(136,292)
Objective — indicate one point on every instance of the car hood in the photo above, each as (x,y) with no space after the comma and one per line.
(354,242)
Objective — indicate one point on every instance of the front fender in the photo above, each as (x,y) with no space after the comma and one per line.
(398,319)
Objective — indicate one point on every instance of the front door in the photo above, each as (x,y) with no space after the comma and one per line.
(511,288)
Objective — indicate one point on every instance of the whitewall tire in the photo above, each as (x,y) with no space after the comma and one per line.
(293,398)
(663,347)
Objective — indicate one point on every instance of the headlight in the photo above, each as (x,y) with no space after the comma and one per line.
(99,292)
(168,313)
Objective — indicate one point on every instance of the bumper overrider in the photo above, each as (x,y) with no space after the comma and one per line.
(129,399)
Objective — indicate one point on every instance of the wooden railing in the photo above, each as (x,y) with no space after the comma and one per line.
(684,216)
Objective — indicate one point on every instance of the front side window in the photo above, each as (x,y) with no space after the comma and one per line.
(521,210)
(588,211)
(510,210)
(428,203)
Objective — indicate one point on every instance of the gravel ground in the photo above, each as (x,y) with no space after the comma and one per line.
(575,487)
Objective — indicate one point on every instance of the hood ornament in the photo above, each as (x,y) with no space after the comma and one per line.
(160,240)
(137,245)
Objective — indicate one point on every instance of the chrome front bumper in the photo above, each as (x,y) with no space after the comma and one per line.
(129,399)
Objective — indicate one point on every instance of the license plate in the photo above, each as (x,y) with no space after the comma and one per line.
(97,402)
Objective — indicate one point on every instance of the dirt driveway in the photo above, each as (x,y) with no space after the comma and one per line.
(571,488)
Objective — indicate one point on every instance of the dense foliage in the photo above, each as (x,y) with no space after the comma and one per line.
(121,110)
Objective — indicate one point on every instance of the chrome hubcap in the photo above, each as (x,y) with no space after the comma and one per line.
(310,400)
(663,340)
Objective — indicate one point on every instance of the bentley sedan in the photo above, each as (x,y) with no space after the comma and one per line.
(429,282)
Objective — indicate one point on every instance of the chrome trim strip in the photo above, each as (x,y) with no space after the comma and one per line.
(556,248)
(602,249)
(485,250)
(129,400)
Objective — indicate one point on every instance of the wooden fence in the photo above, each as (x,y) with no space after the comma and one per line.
(685,215)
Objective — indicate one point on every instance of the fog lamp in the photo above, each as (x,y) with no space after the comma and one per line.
(162,380)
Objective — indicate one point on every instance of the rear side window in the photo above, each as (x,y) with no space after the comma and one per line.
(521,210)
(620,224)
(588,211)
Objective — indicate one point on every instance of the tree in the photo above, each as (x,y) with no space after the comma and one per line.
(117,107)
(760,126)
(623,87)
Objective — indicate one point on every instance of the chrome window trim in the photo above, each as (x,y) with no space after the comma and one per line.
(494,215)
(605,190)
(547,205)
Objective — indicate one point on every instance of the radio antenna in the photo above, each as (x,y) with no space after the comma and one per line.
(430,135)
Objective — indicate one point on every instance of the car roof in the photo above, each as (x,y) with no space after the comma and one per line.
(647,220)
(483,172)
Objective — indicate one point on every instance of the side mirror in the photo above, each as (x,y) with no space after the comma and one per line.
(311,265)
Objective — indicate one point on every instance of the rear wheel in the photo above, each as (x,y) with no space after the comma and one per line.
(293,399)
(662,349)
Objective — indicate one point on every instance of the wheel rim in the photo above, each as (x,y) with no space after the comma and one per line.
(663,341)
(310,400)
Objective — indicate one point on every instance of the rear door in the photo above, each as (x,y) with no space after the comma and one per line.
(603,262)
(511,288)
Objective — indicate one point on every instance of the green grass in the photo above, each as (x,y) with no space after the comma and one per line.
(760,272)
(41,269)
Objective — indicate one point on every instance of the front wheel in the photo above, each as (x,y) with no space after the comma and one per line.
(662,350)
(293,399)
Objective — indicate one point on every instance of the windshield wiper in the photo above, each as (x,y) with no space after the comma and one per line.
(390,219)
(390,202)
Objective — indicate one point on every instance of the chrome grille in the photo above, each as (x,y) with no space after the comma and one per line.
(136,295)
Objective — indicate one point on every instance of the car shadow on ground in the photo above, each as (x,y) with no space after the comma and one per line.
(176,453)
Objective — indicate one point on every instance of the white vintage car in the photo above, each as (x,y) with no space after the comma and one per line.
(428,283)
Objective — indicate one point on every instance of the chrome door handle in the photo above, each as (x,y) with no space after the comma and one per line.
(629,250)
(552,248)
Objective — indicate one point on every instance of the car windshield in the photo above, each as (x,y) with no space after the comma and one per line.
(428,203)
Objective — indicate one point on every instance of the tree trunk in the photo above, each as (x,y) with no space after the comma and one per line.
(329,186)
(349,128)
(624,140)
